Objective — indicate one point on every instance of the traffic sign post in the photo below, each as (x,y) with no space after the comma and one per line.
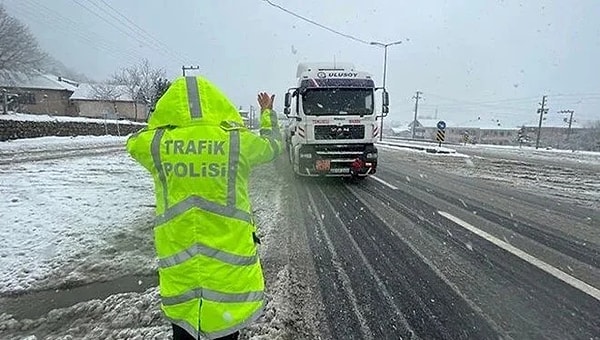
(440,136)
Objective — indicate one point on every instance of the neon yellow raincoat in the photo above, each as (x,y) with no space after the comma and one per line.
(200,156)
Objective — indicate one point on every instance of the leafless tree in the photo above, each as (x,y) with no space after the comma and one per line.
(108,94)
(140,81)
(19,50)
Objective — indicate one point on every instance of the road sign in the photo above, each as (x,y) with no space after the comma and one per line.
(441,125)
(440,136)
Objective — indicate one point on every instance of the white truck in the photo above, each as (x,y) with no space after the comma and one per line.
(332,125)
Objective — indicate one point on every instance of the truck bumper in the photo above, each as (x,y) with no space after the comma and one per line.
(357,160)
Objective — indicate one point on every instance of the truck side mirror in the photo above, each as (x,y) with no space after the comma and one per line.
(288,100)
(385,103)
(385,98)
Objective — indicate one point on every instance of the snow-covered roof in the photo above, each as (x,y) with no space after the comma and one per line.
(487,124)
(399,129)
(430,123)
(102,91)
(40,81)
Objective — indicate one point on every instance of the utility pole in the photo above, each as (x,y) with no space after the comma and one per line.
(570,121)
(414,123)
(185,68)
(542,111)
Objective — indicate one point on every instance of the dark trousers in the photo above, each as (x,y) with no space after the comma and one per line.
(180,334)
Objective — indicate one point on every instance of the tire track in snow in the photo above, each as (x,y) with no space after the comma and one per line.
(431,307)
(344,278)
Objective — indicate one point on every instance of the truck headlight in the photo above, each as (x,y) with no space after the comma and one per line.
(371,155)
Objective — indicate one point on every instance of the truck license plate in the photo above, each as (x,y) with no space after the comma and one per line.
(323,165)
(339,170)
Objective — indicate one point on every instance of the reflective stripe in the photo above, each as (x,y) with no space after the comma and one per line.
(155,151)
(214,335)
(212,295)
(275,147)
(206,205)
(234,157)
(193,97)
(275,125)
(185,325)
(273,134)
(200,249)
(233,329)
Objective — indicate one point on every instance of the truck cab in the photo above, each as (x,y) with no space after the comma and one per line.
(332,124)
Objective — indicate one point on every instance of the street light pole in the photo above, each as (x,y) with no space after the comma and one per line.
(385,46)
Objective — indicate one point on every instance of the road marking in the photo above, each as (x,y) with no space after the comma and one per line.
(384,183)
(574,282)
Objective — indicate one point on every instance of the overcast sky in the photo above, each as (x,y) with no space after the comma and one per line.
(473,58)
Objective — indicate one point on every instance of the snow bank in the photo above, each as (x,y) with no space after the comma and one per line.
(589,157)
(122,316)
(429,150)
(420,146)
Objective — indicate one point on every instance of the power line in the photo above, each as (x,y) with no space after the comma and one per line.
(93,38)
(126,26)
(146,38)
(490,102)
(316,23)
(138,27)
(33,13)
(112,24)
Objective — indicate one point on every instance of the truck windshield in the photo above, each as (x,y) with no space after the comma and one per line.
(330,102)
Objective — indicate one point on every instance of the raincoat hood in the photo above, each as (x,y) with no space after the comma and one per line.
(193,101)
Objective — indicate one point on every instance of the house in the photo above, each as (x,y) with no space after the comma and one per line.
(486,130)
(480,130)
(39,93)
(107,101)
(555,129)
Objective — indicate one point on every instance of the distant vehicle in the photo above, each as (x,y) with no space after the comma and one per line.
(332,123)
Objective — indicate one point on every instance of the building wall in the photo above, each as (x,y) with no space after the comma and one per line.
(105,109)
(476,135)
(41,101)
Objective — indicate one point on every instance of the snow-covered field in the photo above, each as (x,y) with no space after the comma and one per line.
(76,221)
(57,216)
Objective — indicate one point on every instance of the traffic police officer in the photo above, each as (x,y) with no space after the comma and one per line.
(200,156)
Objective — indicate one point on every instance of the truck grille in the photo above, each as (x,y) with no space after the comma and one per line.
(339,132)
